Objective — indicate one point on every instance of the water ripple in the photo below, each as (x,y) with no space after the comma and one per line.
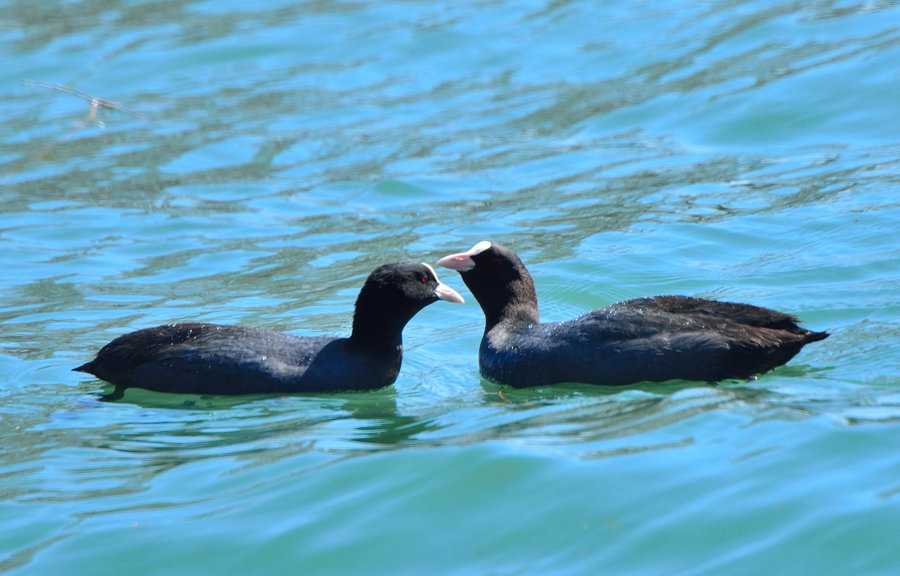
(741,151)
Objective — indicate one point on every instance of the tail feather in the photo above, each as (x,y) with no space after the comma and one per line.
(811,336)
(87,367)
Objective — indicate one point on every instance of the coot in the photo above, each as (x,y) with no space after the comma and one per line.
(221,359)
(646,339)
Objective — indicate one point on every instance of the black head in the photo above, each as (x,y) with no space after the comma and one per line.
(393,294)
(498,280)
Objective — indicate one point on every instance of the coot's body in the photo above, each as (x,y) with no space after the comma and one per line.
(646,339)
(221,359)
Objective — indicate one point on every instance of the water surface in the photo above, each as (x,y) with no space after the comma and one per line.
(252,164)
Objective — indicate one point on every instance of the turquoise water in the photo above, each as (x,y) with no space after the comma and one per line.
(271,156)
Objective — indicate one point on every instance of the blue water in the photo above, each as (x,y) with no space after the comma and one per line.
(253,163)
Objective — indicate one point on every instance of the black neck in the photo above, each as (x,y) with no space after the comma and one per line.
(514,302)
(378,322)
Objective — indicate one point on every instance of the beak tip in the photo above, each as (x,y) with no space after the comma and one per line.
(460,262)
(448,294)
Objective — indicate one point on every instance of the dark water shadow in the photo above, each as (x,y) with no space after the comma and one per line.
(597,421)
(375,414)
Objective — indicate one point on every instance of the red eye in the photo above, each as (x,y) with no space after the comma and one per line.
(423,278)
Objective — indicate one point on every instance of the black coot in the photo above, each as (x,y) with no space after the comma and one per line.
(646,339)
(217,359)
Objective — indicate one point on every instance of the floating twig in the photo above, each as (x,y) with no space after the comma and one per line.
(96,103)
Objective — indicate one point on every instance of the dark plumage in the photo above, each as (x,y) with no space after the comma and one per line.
(646,339)
(218,359)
